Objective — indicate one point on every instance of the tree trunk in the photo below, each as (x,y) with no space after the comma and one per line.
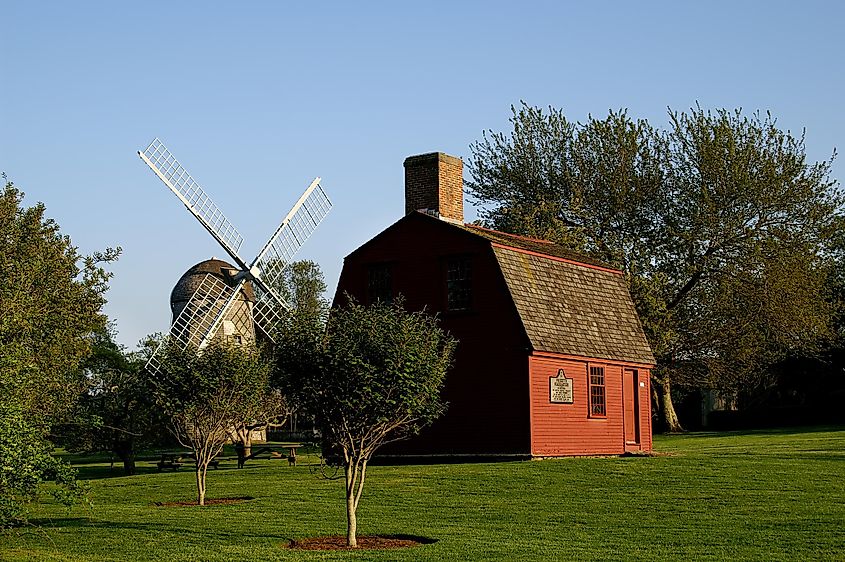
(129,463)
(670,418)
(351,521)
(247,441)
(200,484)
(244,437)
(126,454)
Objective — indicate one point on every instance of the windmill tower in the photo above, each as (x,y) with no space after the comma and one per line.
(214,298)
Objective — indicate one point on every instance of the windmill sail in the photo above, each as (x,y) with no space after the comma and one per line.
(311,208)
(189,192)
(201,316)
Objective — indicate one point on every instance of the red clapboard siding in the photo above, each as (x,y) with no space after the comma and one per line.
(567,429)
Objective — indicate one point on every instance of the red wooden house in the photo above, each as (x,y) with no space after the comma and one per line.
(551,360)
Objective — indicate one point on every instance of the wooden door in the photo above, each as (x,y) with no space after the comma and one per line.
(631,406)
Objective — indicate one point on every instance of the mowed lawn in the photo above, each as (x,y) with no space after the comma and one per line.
(775,495)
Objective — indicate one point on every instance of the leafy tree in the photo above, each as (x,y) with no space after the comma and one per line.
(117,412)
(302,285)
(51,299)
(721,224)
(26,463)
(373,377)
(205,395)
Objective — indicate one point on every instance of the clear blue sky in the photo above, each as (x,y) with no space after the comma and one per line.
(257,98)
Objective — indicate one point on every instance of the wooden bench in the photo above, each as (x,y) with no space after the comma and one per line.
(291,447)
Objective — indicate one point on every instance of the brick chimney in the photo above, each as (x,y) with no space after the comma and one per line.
(434,183)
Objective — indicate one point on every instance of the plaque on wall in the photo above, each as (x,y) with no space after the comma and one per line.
(560,389)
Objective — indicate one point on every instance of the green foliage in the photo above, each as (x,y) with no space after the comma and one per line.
(723,227)
(50,305)
(372,377)
(26,464)
(231,376)
(302,286)
(117,412)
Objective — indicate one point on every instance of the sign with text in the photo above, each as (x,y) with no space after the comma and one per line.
(560,389)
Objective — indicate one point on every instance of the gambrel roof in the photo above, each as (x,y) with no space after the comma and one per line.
(568,303)
(572,309)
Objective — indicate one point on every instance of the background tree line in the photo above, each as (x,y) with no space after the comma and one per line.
(730,239)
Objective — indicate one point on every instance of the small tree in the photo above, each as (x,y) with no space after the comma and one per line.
(373,377)
(207,394)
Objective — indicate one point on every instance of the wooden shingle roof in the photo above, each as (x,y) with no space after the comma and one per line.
(568,303)
(573,309)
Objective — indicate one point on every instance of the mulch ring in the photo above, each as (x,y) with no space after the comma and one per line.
(367,542)
(208,501)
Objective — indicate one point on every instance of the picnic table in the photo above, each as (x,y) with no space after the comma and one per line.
(273,450)
(174,461)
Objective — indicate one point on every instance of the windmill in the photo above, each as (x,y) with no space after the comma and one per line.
(207,308)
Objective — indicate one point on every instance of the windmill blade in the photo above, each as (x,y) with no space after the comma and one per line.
(206,309)
(198,321)
(189,192)
(266,312)
(313,205)
(201,312)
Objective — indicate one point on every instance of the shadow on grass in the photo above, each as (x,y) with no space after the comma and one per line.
(415,538)
(86,523)
(97,471)
(766,431)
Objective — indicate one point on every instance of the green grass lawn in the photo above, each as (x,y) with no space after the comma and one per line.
(776,495)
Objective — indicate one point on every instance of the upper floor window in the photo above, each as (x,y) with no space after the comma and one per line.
(379,284)
(458,283)
(598,397)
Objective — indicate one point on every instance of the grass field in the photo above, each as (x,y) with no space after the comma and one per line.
(776,495)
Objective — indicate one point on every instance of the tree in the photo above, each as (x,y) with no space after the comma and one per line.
(721,225)
(51,300)
(373,377)
(116,413)
(26,463)
(205,395)
(302,285)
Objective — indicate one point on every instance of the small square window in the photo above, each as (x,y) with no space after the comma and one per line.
(458,283)
(598,397)
(379,284)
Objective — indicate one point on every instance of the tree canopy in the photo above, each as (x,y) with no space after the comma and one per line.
(373,377)
(116,412)
(51,300)
(722,225)
(206,395)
